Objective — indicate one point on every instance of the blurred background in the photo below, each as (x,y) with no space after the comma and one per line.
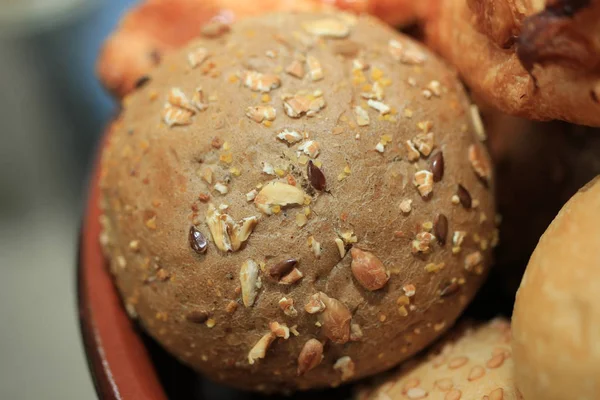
(52,111)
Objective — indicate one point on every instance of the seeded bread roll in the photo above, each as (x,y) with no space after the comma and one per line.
(471,363)
(298,202)
(557,317)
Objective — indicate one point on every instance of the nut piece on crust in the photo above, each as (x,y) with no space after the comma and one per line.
(535,59)
(247,185)
(556,309)
(470,363)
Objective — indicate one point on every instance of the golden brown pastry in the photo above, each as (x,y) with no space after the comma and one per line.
(532,58)
(556,320)
(300,201)
(155,27)
(470,363)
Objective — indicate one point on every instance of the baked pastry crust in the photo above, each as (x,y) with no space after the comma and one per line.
(262,190)
(560,279)
(471,362)
(531,58)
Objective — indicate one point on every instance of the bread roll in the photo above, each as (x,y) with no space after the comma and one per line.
(300,201)
(471,363)
(556,320)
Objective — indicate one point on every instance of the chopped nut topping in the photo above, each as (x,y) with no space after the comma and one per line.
(327,27)
(360,65)
(278,194)
(310,356)
(425,126)
(287,306)
(310,148)
(479,162)
(356,333)
(261,113)
(268,168)
(411,152)
(409,290)
(301,219)
(280,330)
(314,305)
(422,242)
(349,237)
(178,99)
(251,195)
(227,234)
(361,116)
(380,147)
(315,246)
(379,106)
(260,82)
(423,181)
(314,68)
(260,348)
(301,104)
(472,260)
(406,206)
(295,69)
(197,56)
(458,237)
(174,116)
(335,319)
(289,136)
(433,268)
(231,307)
(435,88)
(408,54)
(341,247)
(198,100)
(282,268)
(221,188)
(346,366)
(376,92)
(424,143)
(250,282)
(427,93)
(294,276)
(368,270)
(477,122)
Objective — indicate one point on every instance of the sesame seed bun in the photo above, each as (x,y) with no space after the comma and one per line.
(299,201)
(556,320)
(470,363)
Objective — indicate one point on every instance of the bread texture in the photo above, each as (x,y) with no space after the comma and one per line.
(297,202)
(471,362)
(155,27)
(556,320)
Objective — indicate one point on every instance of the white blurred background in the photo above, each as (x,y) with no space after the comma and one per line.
(52,111)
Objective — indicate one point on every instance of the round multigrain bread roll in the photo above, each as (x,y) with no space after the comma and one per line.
(469,364)
(298,201)
(557,316)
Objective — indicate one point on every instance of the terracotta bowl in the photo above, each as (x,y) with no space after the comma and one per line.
(124,362)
